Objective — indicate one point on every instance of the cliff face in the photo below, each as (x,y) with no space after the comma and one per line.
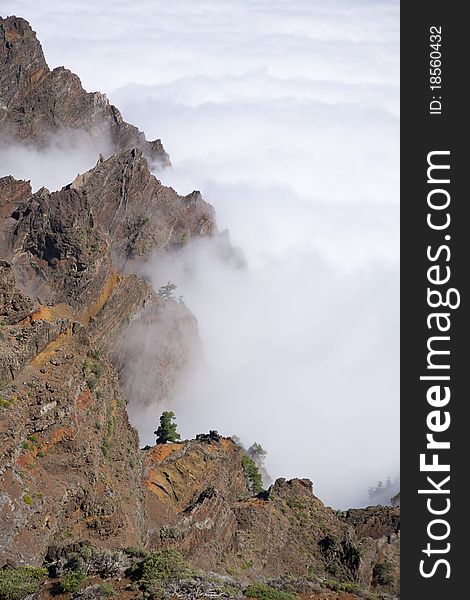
(70,465)
(36,102)
(198,500)
(72,314)
(82,335)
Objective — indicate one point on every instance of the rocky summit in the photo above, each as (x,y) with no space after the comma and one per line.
(85,512)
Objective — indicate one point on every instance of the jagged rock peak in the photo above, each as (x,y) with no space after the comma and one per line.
(36,103)
(21,56)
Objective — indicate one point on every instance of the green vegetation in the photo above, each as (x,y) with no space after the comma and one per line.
(18,583)
(338,586)
(261,591)
(111,426)
(108,438)
(252,475)
(93,369)
(91,382)
(257,452)
(166,431)
(106,448)
(106,589)
(229,591)
(109,433)
(164,566)
(97,353)
(159,568)
(4,403)
(71,581)
(383,573)
(27,500)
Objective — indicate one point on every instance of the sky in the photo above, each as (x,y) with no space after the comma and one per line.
(285,114)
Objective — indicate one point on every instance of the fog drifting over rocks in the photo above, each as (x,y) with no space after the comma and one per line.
(284,113)
(67,154)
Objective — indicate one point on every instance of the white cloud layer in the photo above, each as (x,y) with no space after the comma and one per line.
(284,113)
(67,154)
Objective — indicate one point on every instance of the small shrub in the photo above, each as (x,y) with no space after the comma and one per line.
(27,500)
(106,589)
(92,382)
(338,586)
(383,573)
(106,448)
(17,583)
(106,563)
(72,581)
(162,567)
(111,426)
(230,591)
(4,403)
(261,591)
(97,369)
(92,369)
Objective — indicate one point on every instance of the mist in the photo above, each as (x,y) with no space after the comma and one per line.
(287,362)
(285,115)
(66,154)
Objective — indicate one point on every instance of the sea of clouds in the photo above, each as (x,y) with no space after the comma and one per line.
(284,113)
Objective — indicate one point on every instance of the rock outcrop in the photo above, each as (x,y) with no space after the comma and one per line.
(84,337)
(36,103)
(199,501)
(69,460)
(72,311)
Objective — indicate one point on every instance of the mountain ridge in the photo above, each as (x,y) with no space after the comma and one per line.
(74,314)
(37,102)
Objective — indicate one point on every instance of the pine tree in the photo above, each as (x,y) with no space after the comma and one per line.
(166,431)
(257,453)
(166,291)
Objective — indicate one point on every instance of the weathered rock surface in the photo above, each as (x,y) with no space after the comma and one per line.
(70,466)
(374,521)
(198,500)
(36,102)
(64,245)
(70,310)
(82,333)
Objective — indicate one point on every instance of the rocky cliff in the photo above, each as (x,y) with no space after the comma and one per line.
(73,357)
(70,305)
(36,103)
(198,500)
